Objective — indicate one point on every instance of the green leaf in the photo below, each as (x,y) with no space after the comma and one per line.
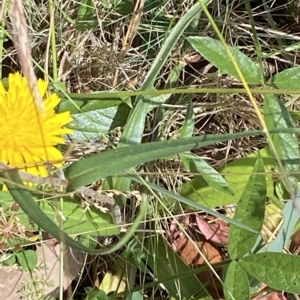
(90,125)
(89,241)
(199,166)
(286,145)
(134,128)
(23,197)
(136,296)
(290,218)
(78,221)
(170,43)
(287,79)
(125,7)
(110,162)
(135,125)
(8,259)
(236,174)
(157,101)
(277,270)
(196,165)
(214,51)
(236,284)
(192,204)
(84,104)
(250,211)
(189,122)
(85,17)
(27,259)
(164,262)
(96,295)
(153,4)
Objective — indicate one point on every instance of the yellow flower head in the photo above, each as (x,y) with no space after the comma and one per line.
(28,136)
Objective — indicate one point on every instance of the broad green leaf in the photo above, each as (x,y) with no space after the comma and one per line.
(89,241)
(8,259)
(214,51)
(135,125)
(81,105)
(279,271)
(27,259)
(85,17)
(96,295)
(250,211)
(236,284)
(207,173)
(286,145)
(110,162)
(136,296)
(124,7)
(164,263)
(236,174)
(92,124)
(23,197)
(78,221)
(287,79)
(132,134)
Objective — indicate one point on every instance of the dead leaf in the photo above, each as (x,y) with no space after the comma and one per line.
(195,250)
(12,277)
(216,231)
(295,244)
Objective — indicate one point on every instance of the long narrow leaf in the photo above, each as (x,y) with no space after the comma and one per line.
(161,254)
(34,212)
(111,162)
(195,205)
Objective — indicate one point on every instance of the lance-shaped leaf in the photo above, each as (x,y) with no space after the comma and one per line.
(250,211)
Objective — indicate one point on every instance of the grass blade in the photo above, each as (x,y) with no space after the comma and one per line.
(111,162)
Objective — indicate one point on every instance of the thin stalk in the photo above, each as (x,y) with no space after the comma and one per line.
(2,33)
(53,40)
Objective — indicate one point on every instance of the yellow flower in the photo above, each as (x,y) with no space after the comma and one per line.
(28,136)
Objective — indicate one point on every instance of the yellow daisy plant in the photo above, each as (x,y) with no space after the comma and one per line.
(29,135)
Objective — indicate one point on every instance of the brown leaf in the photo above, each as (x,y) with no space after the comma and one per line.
(295,244)
(11,277)
(193,252)
(216,231)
